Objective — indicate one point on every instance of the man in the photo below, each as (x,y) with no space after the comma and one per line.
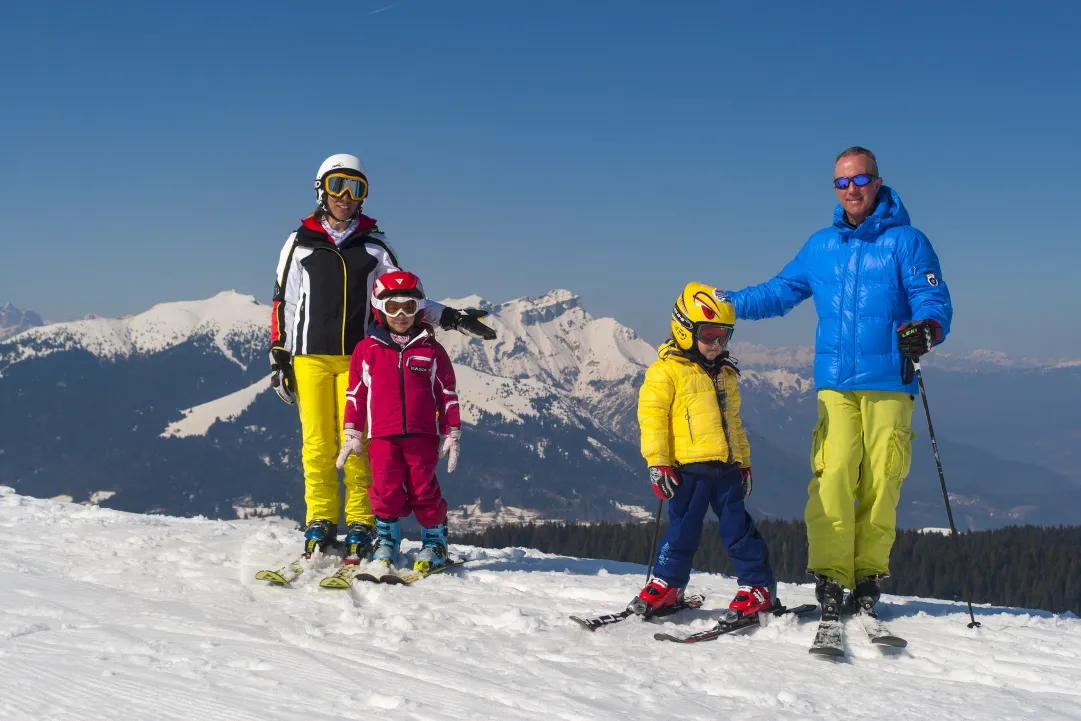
(881,301)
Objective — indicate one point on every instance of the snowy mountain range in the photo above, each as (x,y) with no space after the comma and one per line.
(14,320)
(111,616)
(170,411)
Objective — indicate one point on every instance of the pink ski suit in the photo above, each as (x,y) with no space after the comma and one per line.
(406,399)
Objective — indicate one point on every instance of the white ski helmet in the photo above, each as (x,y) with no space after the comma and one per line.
(343,163)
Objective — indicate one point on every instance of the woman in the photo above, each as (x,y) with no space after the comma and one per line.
(322,308)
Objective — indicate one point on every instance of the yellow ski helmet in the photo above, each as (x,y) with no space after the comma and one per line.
(699,306)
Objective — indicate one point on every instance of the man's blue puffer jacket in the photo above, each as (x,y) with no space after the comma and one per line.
(866,282)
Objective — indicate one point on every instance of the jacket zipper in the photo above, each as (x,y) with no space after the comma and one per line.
(345,295)
(722,401)
(401,377)
(690,430)
(401,384)
(856,308)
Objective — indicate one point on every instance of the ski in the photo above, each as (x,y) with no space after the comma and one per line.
(284,575)
(829,640)
(343,577)
(592,624)
(352,569)
(727,626)
(380,572)
(412,576)
(877,632)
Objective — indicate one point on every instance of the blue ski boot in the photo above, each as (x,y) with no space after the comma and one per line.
(319,534)
(433,551)
(359,542)
(389,541)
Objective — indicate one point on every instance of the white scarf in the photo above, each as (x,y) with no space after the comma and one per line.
(339,235)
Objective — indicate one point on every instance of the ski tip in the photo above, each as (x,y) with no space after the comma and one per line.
(272,577)
(584,623)
(890,641)
(366,578)
(665,637)
(829,652)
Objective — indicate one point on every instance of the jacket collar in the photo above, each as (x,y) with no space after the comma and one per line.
(315,227)
(381,335)
(889,212)
(670,350)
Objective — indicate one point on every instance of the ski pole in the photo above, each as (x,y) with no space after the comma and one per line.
(946,496)
(653,548)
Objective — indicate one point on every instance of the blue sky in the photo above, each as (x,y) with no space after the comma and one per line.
(157,151)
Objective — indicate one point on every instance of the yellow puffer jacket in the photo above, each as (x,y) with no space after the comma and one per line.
(679,411)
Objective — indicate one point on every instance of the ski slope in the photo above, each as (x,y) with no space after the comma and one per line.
(112,616)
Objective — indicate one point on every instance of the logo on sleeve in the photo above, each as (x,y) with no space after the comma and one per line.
(931,279)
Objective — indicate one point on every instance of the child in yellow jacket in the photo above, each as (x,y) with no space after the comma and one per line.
(698,455)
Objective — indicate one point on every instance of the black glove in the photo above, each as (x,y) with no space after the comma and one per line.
(917,337)
(281,375)
(664,480)
(466,321)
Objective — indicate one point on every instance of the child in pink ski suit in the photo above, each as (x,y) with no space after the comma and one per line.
(402,393)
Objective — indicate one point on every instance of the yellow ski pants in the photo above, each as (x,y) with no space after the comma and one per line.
(860,455)
(321,382)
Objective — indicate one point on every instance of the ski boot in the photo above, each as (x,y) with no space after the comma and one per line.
(389,541)
(359,540)
(319,534)
(864,596)
(750,600)
(433,550)
(829,594)
(656,595)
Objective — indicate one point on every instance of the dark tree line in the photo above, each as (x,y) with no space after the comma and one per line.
(1022,566)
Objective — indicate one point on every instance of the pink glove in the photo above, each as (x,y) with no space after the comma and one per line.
(450,448)
(353,443)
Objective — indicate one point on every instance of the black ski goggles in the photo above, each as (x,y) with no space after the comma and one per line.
(338,184)
(858,180)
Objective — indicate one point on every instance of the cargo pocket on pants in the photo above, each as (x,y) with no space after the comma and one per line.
(899,461)
(818,448)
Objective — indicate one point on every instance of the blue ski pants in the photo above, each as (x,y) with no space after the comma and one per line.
(702,485)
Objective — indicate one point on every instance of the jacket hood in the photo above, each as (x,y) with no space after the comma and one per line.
(889,213)
(670,349)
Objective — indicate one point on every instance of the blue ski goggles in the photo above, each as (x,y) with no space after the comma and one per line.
(859,180)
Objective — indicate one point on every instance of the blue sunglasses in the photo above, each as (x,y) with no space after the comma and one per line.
(860,180)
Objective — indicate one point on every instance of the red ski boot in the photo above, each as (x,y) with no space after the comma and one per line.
(656,595)
(750,600)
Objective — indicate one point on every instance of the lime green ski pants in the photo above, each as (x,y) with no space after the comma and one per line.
(860,455)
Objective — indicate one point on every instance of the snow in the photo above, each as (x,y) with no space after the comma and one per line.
(108,616)
(511,398)
(101,496)
(784,381)
(226,315)
(197,420)
(551,337)
(638,513)
(473,517)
